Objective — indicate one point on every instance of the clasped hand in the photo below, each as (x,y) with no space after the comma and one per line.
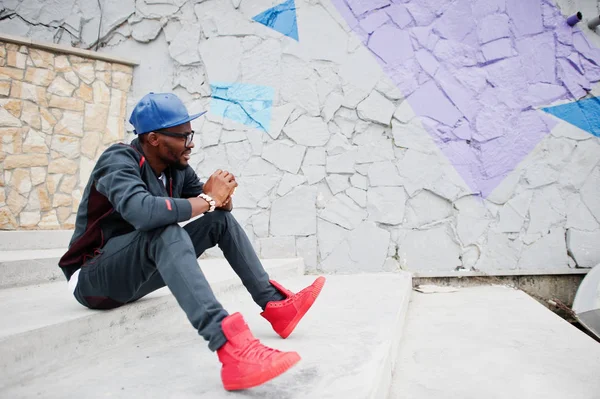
(220,186)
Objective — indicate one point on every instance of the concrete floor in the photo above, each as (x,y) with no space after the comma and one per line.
(492,342)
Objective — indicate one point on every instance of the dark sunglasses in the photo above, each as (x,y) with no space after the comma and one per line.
(189,136)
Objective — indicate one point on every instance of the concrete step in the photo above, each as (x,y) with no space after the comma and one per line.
(30,266)
(347,342)
(492,342)
(34,239)
(44,326)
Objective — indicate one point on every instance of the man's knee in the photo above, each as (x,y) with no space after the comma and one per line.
(171,235)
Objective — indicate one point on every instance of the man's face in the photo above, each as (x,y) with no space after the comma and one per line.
(173,150)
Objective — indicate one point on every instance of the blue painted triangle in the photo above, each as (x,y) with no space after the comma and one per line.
(281,18)
(585,114)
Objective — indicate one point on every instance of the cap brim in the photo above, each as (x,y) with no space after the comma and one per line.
(184,120)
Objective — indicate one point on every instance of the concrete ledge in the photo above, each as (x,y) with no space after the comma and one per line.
(492,273)
(43,327)
(57,48)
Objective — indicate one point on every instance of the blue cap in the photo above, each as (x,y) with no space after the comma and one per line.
(157,111)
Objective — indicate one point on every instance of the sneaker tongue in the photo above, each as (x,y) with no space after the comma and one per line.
(236,329)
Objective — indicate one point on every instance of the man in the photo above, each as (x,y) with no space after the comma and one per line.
(127,242)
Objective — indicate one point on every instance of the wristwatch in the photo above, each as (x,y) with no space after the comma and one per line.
(210,201)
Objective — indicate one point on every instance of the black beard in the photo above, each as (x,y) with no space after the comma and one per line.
(179,166)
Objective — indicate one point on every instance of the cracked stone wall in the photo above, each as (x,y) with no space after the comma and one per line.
(58,112)
(361,158)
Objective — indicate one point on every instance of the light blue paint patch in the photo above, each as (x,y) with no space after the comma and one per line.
(585,114)
(244,103)
(281,18)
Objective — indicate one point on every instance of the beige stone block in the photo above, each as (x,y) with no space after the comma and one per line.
(7,219)
(44,198)
(62,64)
(12,46)
(118,100)
(63,213)
(41,58)
(86,166)
(66,103)
(67,146)
(89,144)
(105,77)
(29,219)
(48,116)
(63,165)
(7,175)
(27,91)
(10,140)
(71,124)
(25,161)
(95,117)
(102,66)
(16,60)
(62,200)
(72,78)
(13,106)
(8,73)
(115,130)
(122,68)
(2,50)
(7,120)
(21,181)
(33,203)
(4,87)
(76,195)
(85,71)
(52,183)
(31,115)
(61,87)
(101,93)
(121,81)
(29,63)
(69,224)
(2,193)
(57,113)
(85,92)
(35,142)
(49,221)
(38,175)
(16,202)
(67,185)
(23,49)
(39,76)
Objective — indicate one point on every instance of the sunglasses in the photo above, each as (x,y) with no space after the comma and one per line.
(189,136)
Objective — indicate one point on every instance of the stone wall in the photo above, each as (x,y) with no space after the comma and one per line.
(377,135)
(58,113)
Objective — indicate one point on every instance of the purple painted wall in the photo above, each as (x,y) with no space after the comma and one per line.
(477,73)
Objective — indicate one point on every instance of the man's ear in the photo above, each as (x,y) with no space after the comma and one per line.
(152,139)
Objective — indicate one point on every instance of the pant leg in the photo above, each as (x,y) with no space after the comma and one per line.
(127,268)
(221,228)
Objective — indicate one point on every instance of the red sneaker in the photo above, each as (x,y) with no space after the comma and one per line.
(285,315)
(246,362)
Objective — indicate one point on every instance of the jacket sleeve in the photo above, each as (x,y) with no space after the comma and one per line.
(192,186)
(118,177)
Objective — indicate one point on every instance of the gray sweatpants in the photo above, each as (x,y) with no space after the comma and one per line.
(131,266)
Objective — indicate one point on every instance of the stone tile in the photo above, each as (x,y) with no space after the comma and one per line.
(66,103)
(426,207)
(38,175)
(384,174)
(549,252)
(49,221)
(308,131)
(96,116)
(24,161)
(61,88)
(7,219)
(284,155)
(386,204)
(67,146)
(376,108)
(343,211)
(289,182)
(314,173)
(85,71)
(16,202)
(277,247)
(41,58)
(583,246)
(39,76)
(85,93)
(4,87)
(29,219)
(295,213)
(342,163)
(337,183)
(306,248)
(31,115)
(426,250)
(35,141)
(70,124)
(63,165)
